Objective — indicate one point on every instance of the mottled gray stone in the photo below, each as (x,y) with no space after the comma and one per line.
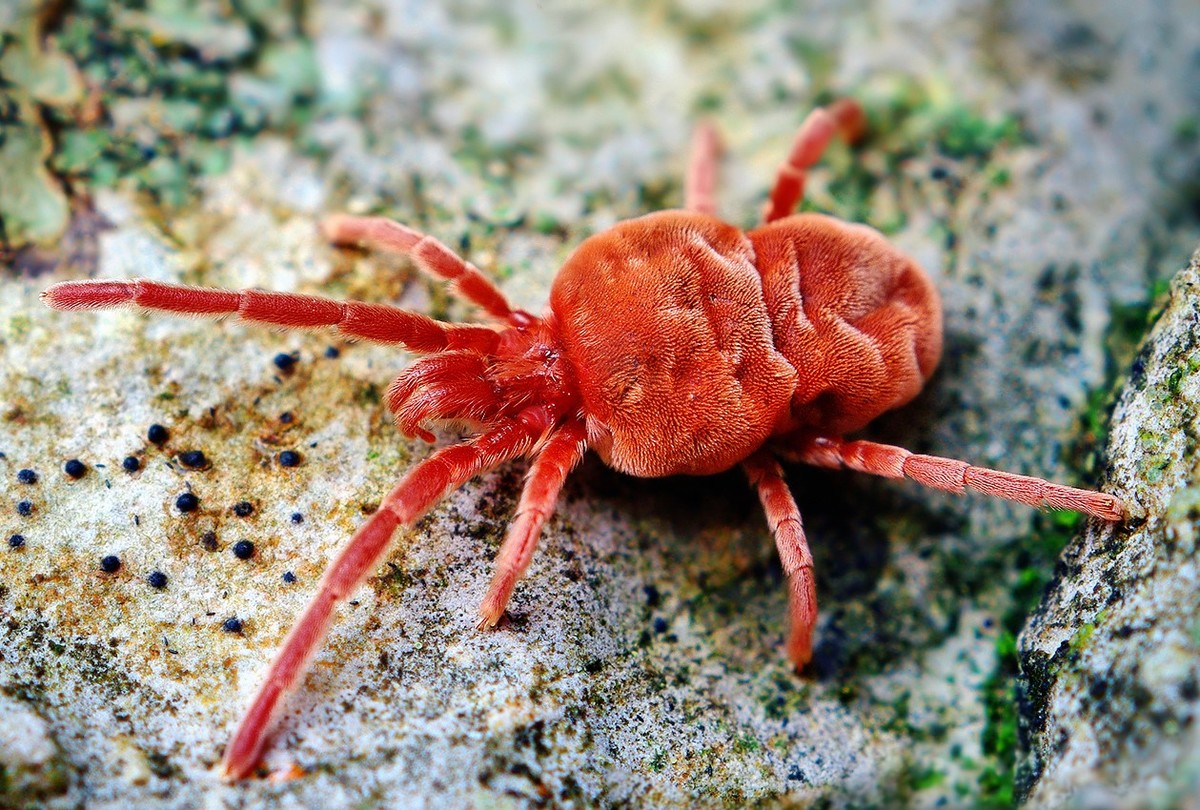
(31,762)
(1112,658)
(643,660)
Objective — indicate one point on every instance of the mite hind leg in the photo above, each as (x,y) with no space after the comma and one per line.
(700,183)
(951,475)
(422,487)
(380,233)
(844,116)
(783,517)
(562,451)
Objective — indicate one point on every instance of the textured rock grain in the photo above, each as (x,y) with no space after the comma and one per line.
(1112,659)
(643,660)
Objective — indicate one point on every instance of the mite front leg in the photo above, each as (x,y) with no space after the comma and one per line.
(424,486)
(950,475)
(550,469)
(783,517)
(432,256)
(700,183)
(378,323)
(844,116)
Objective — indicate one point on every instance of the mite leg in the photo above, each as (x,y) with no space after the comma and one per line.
(449,385)
(380,233)
(378,323)
(783,517)
(557,458)
(420,489)
(953,476)
(844,116)
(700,184)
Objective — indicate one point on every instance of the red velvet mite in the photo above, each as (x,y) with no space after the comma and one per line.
(673,343)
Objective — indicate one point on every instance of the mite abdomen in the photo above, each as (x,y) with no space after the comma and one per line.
(860,321)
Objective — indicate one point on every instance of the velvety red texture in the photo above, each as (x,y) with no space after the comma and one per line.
(859,321)
(663,319)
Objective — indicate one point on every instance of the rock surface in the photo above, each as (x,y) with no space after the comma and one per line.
(1033,159)
(1112,658)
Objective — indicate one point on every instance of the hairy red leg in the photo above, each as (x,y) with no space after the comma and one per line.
(700,184)
(954,476)
(378,323)
(420,489)
(380,233)
(554,462)
(783,517)
(844,116)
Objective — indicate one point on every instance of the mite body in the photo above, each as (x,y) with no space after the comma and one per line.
(672,343)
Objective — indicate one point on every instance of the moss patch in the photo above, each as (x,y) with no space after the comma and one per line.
(156,92)
(906,120)
(1036,558)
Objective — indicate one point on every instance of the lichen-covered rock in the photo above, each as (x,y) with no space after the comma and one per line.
(1029,156)
(1111,661)
(33,207)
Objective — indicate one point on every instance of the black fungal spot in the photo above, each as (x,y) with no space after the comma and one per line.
(332,353)
(287,417)
(208,541)
(285,361)
(289,577)
(27,476)
(289,458)
(131,464)
(157,434)
(157,579)
(243,549)
(16,541)
(194,459)
(187,502)
(232,625)
(75,468)
(297,517)
(24,508)
(243,509)
(110,564)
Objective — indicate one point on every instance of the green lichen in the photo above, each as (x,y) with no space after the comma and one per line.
(1127,327)
(923,777)
(745,743)
(962,133)
(1036,556)
(34,76)
(1079,641)
(912,122)
(173,86)
(33,207)
(1187,130)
